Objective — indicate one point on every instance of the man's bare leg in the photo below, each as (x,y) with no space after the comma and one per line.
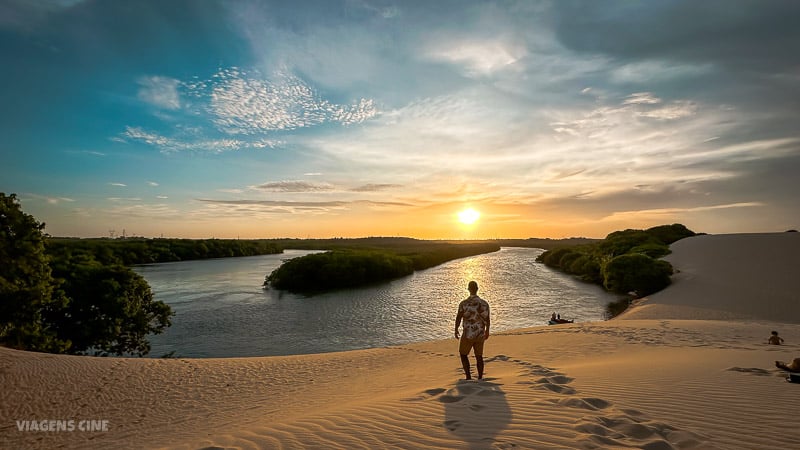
(479,360)
(465,365)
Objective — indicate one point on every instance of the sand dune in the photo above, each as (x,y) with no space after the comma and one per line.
(644,382)
(731,276)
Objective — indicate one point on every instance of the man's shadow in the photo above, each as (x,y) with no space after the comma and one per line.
(476,411)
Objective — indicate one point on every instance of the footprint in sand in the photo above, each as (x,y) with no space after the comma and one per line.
(450,398)
(592,404)
(452,425)
(633,430)
(751,370)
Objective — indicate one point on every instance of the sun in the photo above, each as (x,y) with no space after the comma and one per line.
(468,216)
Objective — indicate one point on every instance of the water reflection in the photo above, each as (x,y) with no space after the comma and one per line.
(221,309)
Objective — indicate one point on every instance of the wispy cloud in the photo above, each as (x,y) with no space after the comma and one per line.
(375,187)
(293,186)
(169,145)
(662,213)
(161,92)
(152,183)
(50,199)
(118,184)
(478,57)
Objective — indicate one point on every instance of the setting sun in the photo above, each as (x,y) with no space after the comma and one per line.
(468,216)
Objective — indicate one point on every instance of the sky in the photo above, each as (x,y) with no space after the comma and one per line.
(317,119)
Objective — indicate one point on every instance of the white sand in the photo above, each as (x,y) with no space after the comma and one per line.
(654,382)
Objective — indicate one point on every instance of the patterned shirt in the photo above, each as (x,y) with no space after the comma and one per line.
(475,315)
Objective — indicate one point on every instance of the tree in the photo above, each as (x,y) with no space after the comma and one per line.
(72,303)
(111,310)
(27,289)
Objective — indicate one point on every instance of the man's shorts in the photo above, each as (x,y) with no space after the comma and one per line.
(465,345)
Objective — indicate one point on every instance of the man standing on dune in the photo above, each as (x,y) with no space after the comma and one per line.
(475,313)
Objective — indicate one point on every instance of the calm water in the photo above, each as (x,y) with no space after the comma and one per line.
(221,309)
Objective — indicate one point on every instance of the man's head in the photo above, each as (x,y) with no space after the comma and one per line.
(473,287)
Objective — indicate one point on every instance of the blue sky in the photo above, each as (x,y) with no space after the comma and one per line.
(359,118)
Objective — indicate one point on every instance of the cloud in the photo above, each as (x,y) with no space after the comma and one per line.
(169,145)
(30,15)
(478,57)
(161,92)
(234,102)
(294,186)
(248,207)
(118,184)
(755,35)
(244,104)
(152,183)
(666,213)
(51,200)
(641,98)
(375,187)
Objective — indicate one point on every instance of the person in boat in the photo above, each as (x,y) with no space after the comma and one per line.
(553,317)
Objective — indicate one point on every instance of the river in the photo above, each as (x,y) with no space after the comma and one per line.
(221,309)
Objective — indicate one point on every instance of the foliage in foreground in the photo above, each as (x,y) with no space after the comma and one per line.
(347,268)
(70,303)
(625,261)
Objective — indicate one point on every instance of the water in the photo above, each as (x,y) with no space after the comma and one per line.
(221,309)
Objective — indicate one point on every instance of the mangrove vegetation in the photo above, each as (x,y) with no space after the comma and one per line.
(367,261)
(624,262)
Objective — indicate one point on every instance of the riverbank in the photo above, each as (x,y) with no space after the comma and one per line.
(658,382)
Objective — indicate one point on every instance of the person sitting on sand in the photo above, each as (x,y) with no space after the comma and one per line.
(793,366)
(774,339)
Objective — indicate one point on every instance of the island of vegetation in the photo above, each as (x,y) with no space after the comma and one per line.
(625,262)
(358,262)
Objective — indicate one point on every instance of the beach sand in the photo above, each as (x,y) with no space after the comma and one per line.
(687,368)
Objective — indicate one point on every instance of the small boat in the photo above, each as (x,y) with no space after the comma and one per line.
(559,321)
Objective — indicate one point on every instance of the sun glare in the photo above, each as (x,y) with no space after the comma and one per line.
(468,216)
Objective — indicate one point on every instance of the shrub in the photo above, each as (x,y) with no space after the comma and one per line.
(636,273)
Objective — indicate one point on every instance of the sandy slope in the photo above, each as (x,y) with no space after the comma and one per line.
(655,383)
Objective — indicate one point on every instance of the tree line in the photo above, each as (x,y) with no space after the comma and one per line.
(134,251)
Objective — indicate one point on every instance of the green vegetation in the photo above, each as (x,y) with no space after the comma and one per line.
(625,261)
(70,302)
(358,262)
(132,251)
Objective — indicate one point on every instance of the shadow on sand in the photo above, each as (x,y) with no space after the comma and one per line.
(476,411)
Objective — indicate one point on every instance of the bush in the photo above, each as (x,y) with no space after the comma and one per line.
(667,234)
(636,273)
(652,250)
(338,269)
